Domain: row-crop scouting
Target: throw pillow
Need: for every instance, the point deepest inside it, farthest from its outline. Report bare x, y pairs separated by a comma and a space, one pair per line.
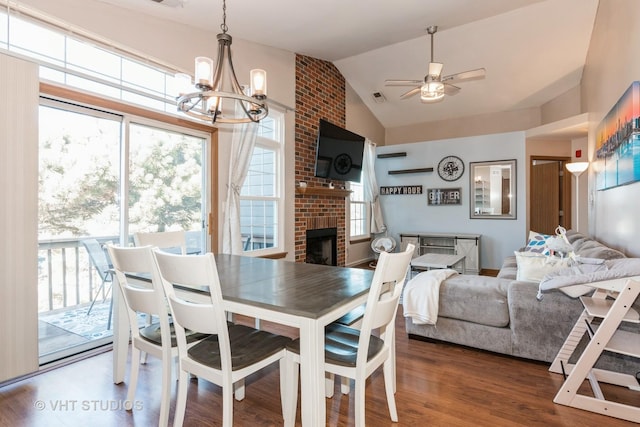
537, 243
532, 267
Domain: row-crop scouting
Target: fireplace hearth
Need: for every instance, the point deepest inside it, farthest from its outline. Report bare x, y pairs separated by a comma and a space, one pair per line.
322, 246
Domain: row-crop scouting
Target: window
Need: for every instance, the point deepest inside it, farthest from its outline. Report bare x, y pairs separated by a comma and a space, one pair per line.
358, 212
88, 64
260, 197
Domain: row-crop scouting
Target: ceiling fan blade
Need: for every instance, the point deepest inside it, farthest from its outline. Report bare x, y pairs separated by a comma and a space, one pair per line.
465, 76
412, 92
435, 68
451, 89
402, 82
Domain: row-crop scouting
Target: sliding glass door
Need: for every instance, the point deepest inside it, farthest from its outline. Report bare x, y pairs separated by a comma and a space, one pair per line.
166, 183
104, 176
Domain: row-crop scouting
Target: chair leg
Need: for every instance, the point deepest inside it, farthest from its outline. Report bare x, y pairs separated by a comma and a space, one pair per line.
181, 400
110, 313
359, 385
93, 301
165, 401
345, 385
329, 380
239, 390
133, 374
389, 387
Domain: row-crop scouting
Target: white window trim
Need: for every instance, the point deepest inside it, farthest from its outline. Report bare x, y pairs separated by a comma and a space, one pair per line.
279, 147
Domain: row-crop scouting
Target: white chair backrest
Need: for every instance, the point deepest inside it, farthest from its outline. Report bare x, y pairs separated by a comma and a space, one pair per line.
384, 294
138, 298
193, 271
163, 240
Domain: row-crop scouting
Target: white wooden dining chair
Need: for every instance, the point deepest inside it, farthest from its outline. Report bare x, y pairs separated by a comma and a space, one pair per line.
166, 240
232, 353
158, 338
357, 353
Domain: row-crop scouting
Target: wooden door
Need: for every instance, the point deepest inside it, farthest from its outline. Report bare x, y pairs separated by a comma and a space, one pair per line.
548, 206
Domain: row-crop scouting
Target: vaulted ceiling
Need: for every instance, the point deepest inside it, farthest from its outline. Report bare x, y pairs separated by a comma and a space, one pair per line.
532, 50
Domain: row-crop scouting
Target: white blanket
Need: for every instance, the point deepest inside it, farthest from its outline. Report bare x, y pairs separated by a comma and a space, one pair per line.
422, 294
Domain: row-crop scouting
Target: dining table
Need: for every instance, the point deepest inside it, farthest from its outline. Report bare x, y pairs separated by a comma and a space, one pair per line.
300, 295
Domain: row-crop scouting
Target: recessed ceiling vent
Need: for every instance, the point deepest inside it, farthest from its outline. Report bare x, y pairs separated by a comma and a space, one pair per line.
378, 97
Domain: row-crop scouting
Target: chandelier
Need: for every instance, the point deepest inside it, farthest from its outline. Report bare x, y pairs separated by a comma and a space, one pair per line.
218, 87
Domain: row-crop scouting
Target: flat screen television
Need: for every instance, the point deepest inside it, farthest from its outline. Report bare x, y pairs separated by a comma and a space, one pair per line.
339, 153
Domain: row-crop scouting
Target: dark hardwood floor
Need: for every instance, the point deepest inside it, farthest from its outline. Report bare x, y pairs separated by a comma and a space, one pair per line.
438, 384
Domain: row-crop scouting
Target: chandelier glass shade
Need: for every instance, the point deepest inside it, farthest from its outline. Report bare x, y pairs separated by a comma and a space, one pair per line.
217, 96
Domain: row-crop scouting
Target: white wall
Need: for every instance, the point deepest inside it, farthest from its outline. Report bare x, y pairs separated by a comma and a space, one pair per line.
612, 65
410, 213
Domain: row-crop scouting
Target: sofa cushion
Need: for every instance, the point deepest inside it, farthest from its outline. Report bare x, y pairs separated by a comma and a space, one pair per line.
533, 267
537, 243
509, 268
590, 248
477, 299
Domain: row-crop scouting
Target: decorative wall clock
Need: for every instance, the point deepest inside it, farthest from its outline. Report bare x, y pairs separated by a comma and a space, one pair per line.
451, 168
342, 164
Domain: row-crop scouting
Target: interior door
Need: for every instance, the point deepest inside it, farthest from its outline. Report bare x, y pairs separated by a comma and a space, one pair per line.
548, 206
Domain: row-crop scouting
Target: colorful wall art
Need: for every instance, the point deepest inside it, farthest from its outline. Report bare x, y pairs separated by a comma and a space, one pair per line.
617, 159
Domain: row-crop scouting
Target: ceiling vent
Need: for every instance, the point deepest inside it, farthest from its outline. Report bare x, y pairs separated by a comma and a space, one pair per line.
378, 97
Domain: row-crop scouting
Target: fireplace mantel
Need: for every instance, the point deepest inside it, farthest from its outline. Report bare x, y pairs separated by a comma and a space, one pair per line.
323, 191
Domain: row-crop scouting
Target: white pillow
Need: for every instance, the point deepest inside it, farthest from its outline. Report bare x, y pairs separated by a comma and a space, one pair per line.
532, 267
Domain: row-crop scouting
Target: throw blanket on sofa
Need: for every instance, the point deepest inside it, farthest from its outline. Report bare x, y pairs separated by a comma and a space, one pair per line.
422, 294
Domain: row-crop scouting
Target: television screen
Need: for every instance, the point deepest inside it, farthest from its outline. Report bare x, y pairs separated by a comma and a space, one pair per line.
339, 153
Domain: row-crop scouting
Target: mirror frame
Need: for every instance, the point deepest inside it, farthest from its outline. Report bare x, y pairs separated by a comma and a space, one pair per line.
472, 189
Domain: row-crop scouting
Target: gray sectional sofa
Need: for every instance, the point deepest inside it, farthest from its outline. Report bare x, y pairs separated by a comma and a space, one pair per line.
503, 315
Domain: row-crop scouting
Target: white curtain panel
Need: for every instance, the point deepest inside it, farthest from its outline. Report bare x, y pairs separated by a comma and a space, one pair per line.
242, 143
370, 186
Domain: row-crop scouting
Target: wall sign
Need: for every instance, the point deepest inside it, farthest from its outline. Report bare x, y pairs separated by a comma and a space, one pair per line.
401, 189
444, 196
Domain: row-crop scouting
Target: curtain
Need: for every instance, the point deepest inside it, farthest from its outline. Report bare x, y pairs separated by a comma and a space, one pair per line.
370, 187
242, 143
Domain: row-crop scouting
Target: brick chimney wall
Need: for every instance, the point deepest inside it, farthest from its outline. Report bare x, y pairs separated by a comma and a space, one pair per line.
320, 94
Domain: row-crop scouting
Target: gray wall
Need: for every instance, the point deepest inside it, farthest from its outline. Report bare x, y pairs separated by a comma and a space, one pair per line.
410, 213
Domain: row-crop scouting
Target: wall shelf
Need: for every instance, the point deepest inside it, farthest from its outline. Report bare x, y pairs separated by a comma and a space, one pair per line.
419, 170
323, 191
389, 155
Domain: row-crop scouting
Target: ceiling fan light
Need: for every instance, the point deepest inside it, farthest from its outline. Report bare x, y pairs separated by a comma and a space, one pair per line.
435, 68
432, 91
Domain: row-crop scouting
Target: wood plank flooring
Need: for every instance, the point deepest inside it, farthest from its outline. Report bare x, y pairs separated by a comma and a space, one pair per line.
438, 384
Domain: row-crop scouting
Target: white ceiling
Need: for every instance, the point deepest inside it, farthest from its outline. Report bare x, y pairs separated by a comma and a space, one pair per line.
532, 50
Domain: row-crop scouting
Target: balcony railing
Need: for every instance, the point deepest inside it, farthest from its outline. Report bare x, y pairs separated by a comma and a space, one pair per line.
66, 277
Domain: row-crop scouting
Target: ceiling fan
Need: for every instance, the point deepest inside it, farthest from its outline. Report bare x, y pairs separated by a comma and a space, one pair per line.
434, 86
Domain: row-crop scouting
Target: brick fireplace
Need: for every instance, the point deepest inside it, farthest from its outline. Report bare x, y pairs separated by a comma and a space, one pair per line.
320, 94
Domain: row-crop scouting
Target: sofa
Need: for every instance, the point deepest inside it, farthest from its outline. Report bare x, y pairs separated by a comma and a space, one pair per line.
503, 315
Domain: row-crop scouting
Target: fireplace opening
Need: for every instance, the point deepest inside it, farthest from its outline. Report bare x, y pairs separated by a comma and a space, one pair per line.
322, 246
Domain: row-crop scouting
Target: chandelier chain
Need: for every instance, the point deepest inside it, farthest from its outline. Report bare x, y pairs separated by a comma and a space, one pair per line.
223, 26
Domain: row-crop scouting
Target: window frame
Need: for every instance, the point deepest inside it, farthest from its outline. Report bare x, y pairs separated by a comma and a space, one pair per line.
277, 145
366, 208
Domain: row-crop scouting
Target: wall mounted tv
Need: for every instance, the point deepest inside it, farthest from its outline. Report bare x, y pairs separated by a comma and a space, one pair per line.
339, 153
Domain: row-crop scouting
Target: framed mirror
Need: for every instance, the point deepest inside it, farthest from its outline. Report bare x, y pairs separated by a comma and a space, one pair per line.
492, 189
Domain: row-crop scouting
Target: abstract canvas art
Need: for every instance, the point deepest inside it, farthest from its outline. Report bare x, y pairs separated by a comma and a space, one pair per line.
617, 159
